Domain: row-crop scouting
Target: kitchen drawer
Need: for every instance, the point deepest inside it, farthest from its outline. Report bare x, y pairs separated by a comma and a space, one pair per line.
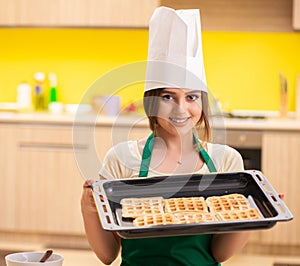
244, 139
49, 137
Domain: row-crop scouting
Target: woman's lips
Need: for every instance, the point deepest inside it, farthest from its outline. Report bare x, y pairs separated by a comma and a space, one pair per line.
179, 120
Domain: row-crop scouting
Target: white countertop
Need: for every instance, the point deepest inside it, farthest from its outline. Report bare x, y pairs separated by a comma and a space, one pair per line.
288, 124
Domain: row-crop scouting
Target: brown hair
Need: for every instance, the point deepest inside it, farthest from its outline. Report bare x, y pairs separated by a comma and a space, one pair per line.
151, 106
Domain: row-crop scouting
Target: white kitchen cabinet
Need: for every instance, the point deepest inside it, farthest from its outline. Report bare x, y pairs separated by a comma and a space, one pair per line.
280, 164
296, 14
77, 13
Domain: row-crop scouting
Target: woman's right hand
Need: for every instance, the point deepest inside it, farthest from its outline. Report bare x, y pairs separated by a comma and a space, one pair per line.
87, 201
104, 243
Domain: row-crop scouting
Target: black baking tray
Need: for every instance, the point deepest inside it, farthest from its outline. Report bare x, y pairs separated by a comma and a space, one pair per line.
252, 184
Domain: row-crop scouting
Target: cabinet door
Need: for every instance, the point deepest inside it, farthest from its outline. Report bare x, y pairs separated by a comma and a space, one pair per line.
49, 184
112, 13
296, 14
108, 136
280, 164
52, 163
108, 13
8, 176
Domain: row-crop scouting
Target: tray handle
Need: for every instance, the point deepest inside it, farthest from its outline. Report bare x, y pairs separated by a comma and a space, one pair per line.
103, 207
281, 208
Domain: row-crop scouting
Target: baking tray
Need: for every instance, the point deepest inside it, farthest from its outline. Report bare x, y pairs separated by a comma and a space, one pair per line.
252, 184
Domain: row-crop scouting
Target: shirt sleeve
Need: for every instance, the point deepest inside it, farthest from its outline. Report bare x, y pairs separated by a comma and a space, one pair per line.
233, 160
121, 161
110, 166
226, 158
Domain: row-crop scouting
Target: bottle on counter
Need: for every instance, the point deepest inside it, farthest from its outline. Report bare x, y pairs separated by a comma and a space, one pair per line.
24, 97
54, 106
53, 87
39, 101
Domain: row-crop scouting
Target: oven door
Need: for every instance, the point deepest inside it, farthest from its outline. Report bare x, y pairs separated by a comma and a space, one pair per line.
248, 143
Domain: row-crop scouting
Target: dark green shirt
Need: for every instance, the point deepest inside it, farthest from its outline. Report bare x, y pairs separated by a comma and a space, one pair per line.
168, 251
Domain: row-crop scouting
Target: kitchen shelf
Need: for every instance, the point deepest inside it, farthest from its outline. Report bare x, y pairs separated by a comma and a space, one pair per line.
76, 13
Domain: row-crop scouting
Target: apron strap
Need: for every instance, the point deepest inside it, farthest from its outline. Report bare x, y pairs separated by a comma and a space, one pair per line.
206, 158
147, 152
146, 157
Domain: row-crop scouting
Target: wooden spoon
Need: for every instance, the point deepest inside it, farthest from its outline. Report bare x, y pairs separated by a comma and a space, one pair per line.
46, 256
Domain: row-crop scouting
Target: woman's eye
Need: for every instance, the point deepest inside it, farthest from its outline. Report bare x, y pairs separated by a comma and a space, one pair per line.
167, 97
192, 97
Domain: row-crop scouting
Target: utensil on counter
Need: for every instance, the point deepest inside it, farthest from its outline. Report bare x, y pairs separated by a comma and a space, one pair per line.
34, 258
283, 108
46, 256
298, 97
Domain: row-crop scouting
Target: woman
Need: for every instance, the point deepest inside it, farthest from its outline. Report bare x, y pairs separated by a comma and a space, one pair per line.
177, 117
174, 151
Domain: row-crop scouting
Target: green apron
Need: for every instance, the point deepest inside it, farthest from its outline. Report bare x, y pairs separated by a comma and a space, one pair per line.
173, 250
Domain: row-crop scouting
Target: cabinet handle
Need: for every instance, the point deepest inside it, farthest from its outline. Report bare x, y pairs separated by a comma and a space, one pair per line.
242, 138
52, 146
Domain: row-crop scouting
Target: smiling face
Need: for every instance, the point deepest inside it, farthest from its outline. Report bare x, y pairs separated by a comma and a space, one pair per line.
179, 110
153, 101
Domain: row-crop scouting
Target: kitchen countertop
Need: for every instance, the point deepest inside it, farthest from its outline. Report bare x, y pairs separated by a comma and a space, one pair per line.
66, 118
287, 124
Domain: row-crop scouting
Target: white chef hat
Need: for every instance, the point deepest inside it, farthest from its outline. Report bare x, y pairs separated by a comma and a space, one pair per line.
175, 56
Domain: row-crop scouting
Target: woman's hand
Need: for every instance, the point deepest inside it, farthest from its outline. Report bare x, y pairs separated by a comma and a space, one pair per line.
106, 245
87, 201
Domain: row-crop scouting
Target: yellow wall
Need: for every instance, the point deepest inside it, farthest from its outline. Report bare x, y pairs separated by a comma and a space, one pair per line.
77, 56
242, 68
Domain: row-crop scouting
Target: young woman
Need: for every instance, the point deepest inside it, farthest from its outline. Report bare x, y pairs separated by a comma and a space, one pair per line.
176, 117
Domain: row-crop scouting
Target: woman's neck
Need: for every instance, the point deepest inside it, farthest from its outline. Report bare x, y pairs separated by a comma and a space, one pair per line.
175, 154
175, 142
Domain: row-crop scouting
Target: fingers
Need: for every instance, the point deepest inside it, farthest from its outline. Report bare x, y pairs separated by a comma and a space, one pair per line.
88, 183
87, 192
87, 200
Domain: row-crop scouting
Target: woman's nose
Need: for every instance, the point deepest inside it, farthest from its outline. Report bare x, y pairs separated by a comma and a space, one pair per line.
180, 105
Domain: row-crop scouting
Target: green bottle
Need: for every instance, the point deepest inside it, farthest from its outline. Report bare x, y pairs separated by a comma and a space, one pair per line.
53, 90
53, 97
